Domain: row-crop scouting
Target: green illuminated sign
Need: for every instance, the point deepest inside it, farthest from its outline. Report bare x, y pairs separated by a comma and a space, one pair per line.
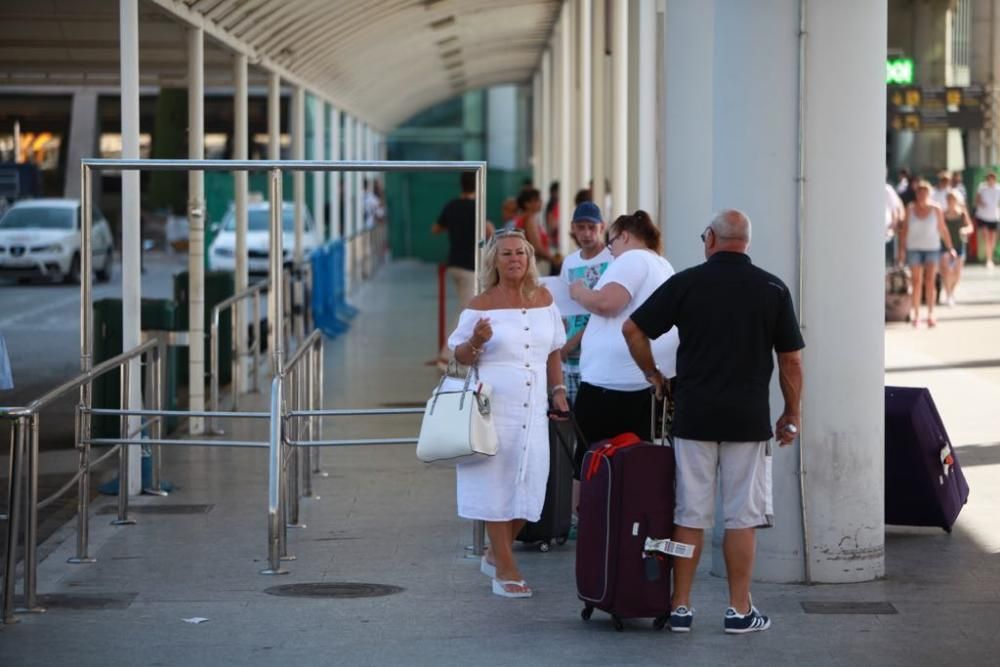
899, 71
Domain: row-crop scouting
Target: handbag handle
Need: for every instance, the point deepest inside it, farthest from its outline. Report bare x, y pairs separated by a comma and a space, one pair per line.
465, 387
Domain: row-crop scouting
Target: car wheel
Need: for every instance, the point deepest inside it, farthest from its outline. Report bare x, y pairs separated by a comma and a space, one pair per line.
104, 275
73, 275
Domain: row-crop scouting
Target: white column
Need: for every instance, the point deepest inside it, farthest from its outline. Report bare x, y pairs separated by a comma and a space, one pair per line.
274, 117
298, 177
536, 126
597, 101
319, 178
359, 209
619, 109
335, 176
240, 188
83, 135
750, 122
131, 243
687, 128
584, 43
643, 176
545, 173
567, 186
556, 111
349, 228
196, 227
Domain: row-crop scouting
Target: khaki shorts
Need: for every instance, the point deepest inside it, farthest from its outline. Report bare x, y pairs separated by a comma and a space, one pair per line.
744, 470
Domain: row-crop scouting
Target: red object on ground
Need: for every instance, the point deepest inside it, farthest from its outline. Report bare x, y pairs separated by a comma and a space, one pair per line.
442, 300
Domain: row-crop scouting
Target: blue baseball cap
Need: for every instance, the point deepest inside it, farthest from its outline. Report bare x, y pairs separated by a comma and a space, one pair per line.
588, 211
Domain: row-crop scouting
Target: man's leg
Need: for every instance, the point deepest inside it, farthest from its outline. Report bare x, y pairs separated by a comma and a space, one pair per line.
697, 465
685, 568
739, 546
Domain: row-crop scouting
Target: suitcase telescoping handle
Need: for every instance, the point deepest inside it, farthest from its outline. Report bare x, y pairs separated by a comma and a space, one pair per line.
664, 440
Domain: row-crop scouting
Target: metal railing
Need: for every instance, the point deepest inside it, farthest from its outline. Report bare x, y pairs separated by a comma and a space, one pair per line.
304, 376
24, 465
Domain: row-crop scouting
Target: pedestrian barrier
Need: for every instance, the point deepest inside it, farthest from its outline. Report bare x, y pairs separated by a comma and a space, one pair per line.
296, 388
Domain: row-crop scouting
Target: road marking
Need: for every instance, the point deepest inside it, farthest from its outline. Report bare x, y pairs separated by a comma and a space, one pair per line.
50, 307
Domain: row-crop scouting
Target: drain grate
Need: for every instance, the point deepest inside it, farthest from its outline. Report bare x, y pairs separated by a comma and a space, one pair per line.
344, 590
159, 509
815, 607
85, 601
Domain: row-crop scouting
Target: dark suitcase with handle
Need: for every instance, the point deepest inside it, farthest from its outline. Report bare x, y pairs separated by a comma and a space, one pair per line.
557, 512
924, 484
626, 501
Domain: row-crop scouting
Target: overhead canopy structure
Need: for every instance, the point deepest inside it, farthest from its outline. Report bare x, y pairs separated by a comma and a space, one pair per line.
382, 61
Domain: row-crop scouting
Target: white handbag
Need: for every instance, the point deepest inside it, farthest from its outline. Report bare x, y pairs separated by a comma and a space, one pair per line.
458, 424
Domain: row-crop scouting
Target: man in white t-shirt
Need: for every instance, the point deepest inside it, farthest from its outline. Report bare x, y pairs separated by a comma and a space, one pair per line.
988, 213
939, 194
586, 264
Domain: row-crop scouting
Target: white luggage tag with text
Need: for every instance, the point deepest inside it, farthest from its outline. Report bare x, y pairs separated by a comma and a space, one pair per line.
670, 548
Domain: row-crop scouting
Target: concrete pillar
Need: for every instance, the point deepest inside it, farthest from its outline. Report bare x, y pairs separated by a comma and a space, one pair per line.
584, 44
830, 527
567, 98
619, 109
319, 178
359, 198
536, 127
241, 193
131, 236
545, 173
335, 176
84, 131
196, 226
299, 177
597, 102
643, 174
502, 129
274, 117
349, 228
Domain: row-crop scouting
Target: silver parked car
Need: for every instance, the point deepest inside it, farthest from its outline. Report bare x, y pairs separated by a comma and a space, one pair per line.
40, 238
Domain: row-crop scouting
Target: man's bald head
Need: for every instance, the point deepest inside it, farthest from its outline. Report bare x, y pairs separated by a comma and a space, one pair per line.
730, 233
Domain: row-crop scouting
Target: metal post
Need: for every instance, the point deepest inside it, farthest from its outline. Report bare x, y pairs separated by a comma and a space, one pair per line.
294, 378
83, 485
123, 451
317, 469
213, 351
15, 477
478, 527
255, 387
159, 356
31, 525
299, 197
274, 490
237, 352
276, 291
310, 379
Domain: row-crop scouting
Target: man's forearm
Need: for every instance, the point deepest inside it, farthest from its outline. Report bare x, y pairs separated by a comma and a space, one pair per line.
790, 379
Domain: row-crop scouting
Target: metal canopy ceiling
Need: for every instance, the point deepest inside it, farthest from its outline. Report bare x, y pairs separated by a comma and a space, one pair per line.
382, 60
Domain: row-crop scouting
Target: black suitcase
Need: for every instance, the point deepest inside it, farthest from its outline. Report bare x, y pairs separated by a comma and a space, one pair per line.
924, 484
557, 512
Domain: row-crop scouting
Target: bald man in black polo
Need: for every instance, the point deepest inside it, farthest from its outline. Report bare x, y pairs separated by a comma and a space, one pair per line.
732, 317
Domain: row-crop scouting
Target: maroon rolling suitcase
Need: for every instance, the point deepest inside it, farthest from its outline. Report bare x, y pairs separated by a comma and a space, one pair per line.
626, 503
924, 484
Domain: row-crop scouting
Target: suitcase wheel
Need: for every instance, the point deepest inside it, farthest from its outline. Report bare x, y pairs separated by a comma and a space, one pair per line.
587, 612
544, 546
617, 622
660, 622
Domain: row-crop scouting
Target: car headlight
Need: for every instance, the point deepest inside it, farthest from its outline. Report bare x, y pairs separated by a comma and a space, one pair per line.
52, 247
223, 252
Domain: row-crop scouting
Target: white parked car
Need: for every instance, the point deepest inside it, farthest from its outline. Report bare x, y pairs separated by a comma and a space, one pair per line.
222, 253
40, 238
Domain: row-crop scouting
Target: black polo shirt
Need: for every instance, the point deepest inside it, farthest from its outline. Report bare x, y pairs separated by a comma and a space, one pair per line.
459, 218
731, 317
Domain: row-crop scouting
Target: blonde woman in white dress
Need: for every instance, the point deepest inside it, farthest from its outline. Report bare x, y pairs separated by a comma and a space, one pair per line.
514, 332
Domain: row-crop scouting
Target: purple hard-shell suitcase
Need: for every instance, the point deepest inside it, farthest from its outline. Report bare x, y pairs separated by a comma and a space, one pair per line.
625, 498
924, 484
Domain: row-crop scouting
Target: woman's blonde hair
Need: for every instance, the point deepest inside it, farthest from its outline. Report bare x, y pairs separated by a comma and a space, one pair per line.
491, 277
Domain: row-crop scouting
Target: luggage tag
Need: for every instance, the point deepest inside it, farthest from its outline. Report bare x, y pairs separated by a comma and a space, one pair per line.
669, 547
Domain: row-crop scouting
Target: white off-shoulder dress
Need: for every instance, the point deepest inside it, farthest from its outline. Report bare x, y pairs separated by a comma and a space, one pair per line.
511, 485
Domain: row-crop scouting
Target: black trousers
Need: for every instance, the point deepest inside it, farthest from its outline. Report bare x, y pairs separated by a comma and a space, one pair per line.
604, 413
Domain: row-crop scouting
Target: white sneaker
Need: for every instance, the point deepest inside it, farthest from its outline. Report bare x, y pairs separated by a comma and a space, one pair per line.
951, 301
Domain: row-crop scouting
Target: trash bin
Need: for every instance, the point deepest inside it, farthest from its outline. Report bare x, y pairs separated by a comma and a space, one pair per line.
156, 315
219, 286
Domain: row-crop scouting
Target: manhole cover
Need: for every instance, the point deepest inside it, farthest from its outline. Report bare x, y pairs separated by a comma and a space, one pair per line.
848, 608
159, 509
85, 601
345, 590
